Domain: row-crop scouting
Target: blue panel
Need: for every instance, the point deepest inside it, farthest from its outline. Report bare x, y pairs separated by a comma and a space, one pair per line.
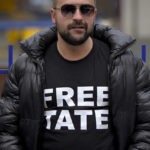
11, 24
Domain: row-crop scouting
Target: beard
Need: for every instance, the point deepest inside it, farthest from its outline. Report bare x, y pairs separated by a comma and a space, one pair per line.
69, 38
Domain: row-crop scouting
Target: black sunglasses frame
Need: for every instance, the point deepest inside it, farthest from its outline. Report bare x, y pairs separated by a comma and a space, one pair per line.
68, 10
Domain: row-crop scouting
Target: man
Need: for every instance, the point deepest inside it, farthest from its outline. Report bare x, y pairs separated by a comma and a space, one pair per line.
77, 87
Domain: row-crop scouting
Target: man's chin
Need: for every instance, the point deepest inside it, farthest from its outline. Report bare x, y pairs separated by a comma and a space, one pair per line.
74, 39
77, 39
78, 36
76, 42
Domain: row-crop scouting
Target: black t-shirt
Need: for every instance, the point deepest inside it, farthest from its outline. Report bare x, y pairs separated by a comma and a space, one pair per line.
76, 101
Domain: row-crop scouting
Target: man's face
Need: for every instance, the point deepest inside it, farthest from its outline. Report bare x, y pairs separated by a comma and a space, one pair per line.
75, 27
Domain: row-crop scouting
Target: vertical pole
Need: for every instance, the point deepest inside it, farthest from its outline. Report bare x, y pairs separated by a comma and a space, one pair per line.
144, 53
10, 56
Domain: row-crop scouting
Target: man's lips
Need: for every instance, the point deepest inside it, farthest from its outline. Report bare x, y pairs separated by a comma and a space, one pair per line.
78, 27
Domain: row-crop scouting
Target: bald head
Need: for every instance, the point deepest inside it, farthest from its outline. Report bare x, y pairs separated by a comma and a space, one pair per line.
55, 3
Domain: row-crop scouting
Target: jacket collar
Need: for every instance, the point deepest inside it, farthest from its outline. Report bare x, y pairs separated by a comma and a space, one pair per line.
118, 41
36, 45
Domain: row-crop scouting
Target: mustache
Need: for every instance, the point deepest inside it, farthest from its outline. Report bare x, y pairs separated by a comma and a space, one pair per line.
77, 24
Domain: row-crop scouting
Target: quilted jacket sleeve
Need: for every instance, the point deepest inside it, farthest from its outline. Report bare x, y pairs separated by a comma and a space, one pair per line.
9, 136
141, 137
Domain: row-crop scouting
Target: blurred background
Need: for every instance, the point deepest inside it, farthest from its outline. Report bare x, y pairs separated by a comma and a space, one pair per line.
19, 19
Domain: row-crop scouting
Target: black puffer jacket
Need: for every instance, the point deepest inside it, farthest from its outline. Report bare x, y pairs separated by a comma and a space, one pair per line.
21, 105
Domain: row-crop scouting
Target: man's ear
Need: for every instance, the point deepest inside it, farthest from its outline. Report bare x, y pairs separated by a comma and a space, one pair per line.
53, 15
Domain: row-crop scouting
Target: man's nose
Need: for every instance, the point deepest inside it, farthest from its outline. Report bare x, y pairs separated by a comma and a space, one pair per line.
77, 15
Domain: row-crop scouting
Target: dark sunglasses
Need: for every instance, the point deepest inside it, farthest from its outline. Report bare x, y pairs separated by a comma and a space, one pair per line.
69, 10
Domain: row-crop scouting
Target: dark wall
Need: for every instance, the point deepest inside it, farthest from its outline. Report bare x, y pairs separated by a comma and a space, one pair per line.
2, 80
108, 8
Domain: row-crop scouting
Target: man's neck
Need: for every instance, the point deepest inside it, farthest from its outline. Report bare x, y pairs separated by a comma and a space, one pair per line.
74, 53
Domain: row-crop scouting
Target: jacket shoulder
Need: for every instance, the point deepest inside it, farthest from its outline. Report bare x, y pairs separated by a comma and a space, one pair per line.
19, 67
132, 61
20, 64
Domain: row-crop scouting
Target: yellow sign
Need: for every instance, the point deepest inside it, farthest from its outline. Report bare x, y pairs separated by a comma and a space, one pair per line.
7, 5
15, 35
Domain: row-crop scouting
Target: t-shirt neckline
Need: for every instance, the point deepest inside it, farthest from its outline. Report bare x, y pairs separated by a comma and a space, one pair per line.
76, 61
